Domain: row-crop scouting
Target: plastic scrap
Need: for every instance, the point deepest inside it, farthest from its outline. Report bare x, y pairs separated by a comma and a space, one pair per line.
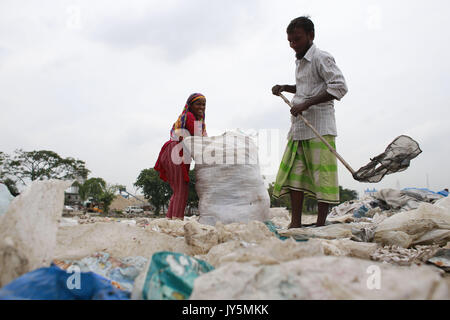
53, 283
272, 227
170, 276
422, 194
333, 231
428, 224
360, 212
320, 277
28, 229
441, 259
122, 271
5, 198
402, 256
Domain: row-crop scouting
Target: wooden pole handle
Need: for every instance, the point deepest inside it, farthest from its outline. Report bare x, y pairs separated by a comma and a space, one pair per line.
320, 137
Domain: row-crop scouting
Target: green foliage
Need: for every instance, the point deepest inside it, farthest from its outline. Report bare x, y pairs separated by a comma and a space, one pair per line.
309, 204
155, 190
108, 195
347, 194
280, 202
11, 185
25, 166
121, 187
100, 192
158, 192
92, 188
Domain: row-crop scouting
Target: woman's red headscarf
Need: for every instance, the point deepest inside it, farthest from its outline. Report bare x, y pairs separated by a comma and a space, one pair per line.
181, 121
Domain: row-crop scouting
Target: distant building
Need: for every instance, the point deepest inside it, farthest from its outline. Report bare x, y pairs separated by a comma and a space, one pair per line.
369, 192
72, 196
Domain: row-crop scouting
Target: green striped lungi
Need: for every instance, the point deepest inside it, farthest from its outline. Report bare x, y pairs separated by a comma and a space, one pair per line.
309, 166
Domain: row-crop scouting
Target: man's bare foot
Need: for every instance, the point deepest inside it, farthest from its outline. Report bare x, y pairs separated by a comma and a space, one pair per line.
319, 225
294, 225
309, 225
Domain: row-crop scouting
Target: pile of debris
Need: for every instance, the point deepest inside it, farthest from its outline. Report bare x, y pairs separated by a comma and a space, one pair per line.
390, 246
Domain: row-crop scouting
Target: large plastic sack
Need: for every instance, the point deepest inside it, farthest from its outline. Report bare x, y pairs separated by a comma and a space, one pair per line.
53, 283
320, 277
169, 276
428, 224
397, 199
5, 198
28, 229
228, 179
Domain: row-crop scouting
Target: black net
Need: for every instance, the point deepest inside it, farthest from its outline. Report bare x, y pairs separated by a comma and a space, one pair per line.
395, 158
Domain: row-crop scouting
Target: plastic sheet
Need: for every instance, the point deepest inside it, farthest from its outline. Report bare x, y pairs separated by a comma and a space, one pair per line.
5, 198
320, 277
428, 224
169, 276
28, 229
334, 231
122, 271
118, 239
53, 283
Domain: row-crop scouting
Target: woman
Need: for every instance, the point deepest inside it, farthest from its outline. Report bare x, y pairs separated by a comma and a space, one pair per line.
191, 120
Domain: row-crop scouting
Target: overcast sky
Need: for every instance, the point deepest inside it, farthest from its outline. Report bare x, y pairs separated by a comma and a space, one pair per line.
103, 81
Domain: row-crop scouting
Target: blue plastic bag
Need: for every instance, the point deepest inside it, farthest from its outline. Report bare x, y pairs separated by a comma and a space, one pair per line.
53, 283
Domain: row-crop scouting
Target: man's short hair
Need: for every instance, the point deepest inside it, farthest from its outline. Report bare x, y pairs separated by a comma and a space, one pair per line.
303, 22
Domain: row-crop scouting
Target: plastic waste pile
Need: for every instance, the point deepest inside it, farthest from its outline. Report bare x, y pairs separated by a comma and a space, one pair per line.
392, 246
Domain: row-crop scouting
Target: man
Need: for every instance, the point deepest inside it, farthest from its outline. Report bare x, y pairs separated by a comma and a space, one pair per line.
308, 167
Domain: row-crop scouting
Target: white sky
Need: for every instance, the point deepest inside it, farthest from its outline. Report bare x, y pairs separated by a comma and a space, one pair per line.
103, 81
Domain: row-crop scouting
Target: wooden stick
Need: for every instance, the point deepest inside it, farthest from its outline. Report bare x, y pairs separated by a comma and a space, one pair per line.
320, 137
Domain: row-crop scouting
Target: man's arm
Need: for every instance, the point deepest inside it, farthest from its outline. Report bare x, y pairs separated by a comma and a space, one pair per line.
277, 89
332, 76
322, 97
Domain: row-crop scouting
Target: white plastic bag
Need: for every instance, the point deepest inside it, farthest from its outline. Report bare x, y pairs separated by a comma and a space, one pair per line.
228, 180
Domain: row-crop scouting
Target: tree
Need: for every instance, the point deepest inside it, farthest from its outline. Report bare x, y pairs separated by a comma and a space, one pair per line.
11, 185
347, 194
25, 166
155, 190
8, 182
284, 201
92, 188
108, 195
100, 192
309, 204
